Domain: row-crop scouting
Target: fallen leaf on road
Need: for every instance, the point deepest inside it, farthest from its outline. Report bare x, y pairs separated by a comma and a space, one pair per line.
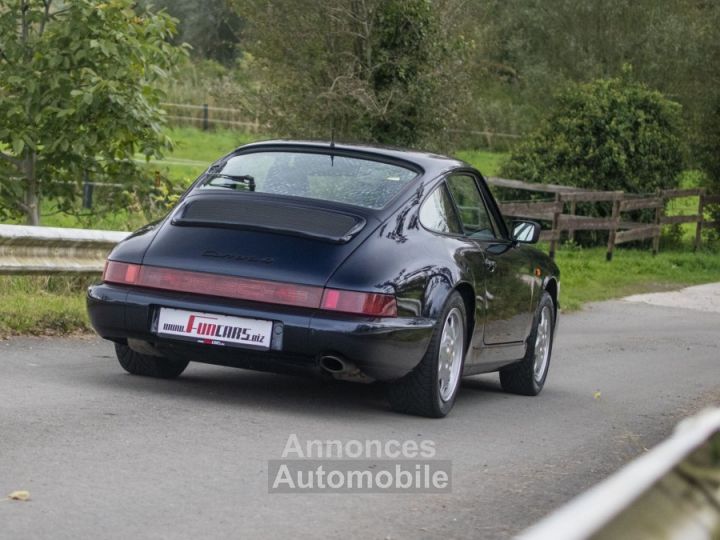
19, 496
597, 394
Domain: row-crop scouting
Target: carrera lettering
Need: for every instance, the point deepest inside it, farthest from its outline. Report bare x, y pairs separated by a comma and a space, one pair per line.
235, 257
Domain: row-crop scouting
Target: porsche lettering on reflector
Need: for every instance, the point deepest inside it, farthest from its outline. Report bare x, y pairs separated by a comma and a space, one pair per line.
214, 329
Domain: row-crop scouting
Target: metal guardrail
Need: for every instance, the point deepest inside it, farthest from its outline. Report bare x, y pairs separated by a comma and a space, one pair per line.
672, 492
50, 250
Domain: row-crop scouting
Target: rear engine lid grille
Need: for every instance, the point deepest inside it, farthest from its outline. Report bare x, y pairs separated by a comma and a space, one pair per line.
243, 213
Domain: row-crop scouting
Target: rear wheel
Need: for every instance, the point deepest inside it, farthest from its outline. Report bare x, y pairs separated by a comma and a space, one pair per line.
430, 389
149, 366
528, 376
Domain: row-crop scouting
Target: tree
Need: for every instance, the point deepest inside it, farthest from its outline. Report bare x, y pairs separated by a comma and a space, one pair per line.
610, 134
532, 47
77, 95
377, 70
210, 27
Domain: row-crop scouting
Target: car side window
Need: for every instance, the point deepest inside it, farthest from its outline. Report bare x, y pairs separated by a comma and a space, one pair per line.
437, 213
474, 215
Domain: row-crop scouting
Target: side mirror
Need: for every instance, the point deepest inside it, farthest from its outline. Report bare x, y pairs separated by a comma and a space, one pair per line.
525, 232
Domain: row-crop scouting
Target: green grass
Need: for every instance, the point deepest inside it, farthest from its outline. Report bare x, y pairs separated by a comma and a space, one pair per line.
194, 151
201, 147
207, 146
43, 305
587, 277
486, 162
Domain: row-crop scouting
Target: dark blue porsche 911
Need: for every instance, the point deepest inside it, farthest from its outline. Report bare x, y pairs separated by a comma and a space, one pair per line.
358, 262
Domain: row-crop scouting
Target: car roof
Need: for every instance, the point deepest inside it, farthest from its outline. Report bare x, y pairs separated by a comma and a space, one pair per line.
431, 164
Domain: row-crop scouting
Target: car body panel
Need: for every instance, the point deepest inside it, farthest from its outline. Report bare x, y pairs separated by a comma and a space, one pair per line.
392, 253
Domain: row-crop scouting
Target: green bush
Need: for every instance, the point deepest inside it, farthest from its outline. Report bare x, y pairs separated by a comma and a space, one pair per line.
709, 148
609, 134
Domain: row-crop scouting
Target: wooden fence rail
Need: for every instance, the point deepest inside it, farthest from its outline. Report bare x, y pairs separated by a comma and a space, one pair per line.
205, 116
620, 229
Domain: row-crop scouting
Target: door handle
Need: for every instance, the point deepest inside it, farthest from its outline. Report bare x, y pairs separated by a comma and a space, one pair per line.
490, 265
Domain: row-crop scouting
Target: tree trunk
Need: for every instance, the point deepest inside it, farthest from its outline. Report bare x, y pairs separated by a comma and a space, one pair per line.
32, 190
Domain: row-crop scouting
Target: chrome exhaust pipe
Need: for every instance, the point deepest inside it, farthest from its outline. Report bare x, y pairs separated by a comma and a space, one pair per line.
342, 369
334, 364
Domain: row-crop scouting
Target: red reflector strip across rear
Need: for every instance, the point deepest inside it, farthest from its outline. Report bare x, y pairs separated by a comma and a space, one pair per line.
288, 294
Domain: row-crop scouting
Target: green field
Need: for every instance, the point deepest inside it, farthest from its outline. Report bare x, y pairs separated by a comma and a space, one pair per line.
488, 163
206, 146
202, 147
194, 151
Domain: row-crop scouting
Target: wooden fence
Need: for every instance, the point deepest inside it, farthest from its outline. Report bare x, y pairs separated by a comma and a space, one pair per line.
205, 116
621, 228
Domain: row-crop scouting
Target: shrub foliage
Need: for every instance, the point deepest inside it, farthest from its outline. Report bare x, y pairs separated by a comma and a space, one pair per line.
609, 134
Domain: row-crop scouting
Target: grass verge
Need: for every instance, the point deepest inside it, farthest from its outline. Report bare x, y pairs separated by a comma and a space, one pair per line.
587, 277
43, 305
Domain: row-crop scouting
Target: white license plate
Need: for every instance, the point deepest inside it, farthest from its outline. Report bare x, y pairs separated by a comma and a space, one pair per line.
214, 329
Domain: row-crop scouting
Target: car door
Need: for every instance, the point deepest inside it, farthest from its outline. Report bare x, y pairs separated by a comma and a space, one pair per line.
508, 283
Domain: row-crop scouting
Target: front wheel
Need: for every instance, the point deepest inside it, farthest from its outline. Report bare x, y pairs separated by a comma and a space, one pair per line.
527, 377
430, 389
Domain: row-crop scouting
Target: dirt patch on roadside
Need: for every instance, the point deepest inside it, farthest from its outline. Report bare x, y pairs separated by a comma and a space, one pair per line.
700, 298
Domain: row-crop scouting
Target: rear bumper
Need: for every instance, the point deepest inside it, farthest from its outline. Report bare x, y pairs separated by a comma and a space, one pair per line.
382, 348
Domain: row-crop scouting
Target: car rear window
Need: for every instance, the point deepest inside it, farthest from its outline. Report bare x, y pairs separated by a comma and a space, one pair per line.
350, 180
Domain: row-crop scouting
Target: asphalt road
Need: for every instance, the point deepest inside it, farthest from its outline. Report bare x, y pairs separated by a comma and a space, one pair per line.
108, 455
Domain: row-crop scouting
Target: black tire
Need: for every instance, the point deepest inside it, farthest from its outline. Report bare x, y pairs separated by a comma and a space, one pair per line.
419, 392
521, 378
149, 366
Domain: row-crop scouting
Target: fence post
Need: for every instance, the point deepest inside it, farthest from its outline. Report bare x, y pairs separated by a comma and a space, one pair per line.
701, 218
555, 227
571, 232
658, 218
87, 200
206, 117
613, 232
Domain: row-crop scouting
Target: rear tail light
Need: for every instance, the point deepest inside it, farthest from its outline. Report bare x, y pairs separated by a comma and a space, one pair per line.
358, 303
373, 304
117, 272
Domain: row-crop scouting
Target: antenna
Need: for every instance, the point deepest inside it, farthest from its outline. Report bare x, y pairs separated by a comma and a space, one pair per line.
332, 142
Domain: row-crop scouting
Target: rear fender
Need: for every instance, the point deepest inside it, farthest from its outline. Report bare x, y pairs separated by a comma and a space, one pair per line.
436, 293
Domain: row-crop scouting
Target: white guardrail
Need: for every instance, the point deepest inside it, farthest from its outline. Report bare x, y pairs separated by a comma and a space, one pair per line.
50, 250
671, 492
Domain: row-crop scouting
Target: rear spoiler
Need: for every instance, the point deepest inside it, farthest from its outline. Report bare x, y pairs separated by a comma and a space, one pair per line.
269, 216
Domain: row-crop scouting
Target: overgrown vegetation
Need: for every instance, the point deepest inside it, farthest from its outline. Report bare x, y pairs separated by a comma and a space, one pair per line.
610, 134
374, 70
